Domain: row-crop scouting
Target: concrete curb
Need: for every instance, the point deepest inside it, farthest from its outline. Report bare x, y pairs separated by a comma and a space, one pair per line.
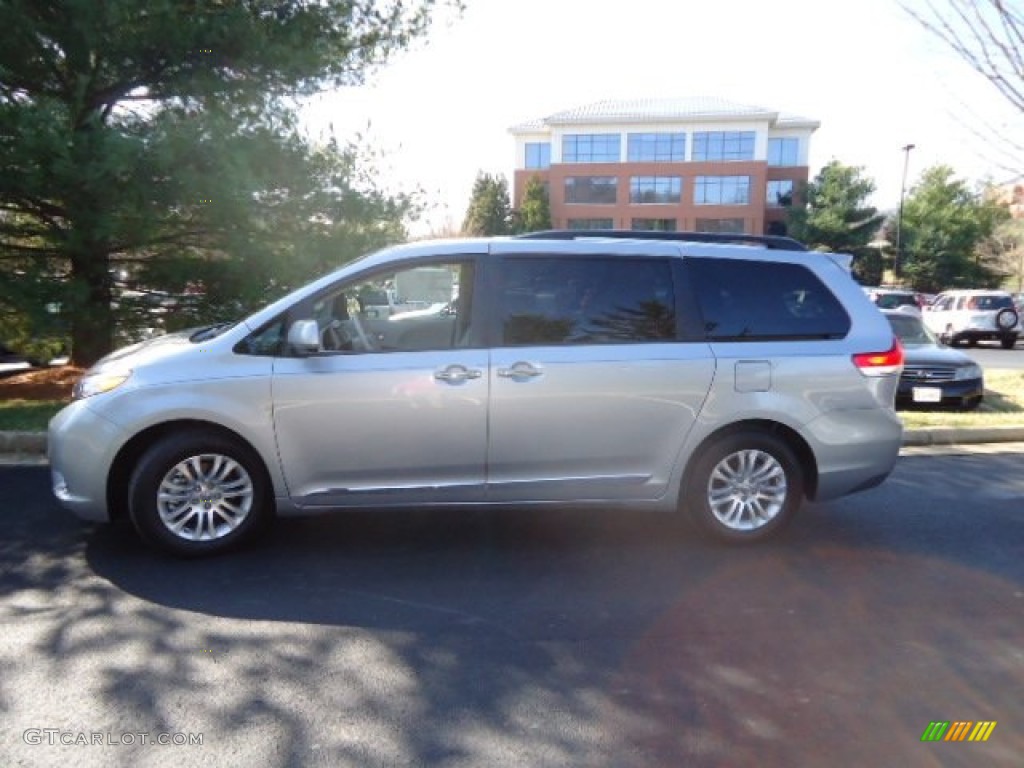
962, 435
23, 442
33, 444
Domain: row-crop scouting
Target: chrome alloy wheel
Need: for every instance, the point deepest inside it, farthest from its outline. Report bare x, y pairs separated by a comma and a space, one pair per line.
747, 489
204, 497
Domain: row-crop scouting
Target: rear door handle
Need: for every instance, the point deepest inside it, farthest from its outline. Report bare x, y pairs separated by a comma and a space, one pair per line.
456, 374
520, 370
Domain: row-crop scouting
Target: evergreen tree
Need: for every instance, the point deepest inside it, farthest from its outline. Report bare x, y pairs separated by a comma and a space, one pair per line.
489, 212
837, 217
945, 225
534, 213
155, 143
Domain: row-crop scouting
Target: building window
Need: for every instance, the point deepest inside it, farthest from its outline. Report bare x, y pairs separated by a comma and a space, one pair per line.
654, 225
780, 194
725, 226
591, 148
538, 154
722, 190
656, 147
655, 189
591, 190
723, 145
589, 224
783, 151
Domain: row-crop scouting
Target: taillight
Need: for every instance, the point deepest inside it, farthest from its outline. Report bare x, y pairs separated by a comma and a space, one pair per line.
881, 363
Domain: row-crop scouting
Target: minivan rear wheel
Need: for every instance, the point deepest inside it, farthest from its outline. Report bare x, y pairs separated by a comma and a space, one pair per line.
744, 487
198, 493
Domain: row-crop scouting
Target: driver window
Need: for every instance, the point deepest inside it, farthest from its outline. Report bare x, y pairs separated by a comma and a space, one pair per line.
412, 309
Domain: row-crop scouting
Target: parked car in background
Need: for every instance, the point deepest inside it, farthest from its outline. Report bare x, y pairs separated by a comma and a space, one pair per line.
933, 374
970, 316
892, 298
12, 362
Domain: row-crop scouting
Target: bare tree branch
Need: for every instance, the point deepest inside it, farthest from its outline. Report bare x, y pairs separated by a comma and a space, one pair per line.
987, 34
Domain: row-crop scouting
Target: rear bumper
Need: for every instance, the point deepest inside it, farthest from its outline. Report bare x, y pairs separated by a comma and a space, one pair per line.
855, 449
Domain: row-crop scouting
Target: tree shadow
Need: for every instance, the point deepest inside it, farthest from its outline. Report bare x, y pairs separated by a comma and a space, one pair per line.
535, 637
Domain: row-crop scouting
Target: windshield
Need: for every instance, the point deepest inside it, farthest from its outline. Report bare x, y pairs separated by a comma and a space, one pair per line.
894, 300
911, 331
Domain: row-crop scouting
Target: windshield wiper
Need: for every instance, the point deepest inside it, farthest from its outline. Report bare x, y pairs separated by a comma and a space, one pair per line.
210, 331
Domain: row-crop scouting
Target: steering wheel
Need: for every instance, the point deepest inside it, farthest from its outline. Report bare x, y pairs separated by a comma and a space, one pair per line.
361, 333
332, 338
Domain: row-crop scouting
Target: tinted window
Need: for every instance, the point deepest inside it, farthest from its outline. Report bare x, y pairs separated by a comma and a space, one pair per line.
586, 301
755, 300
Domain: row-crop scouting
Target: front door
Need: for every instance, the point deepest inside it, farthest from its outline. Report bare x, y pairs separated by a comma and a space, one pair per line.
394, 409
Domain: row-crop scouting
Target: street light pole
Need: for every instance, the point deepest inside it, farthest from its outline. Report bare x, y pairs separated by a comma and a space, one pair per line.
899, 219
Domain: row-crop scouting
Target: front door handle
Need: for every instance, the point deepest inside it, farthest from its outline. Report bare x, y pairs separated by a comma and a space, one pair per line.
456, 374
520, 370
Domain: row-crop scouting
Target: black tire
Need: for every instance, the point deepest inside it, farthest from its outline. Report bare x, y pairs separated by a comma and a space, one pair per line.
229, 502
1008, 342
970, 403
743, 457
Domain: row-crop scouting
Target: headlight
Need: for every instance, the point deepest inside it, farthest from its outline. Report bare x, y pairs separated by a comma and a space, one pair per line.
98, 383
967, 372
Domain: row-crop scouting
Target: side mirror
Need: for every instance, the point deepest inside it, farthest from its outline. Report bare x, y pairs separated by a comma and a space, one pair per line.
304, 337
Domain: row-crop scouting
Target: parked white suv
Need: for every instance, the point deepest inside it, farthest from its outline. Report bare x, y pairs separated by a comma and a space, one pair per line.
973, 316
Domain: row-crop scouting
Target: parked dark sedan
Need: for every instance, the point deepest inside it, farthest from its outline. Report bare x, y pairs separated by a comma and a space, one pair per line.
11, 362
933, 374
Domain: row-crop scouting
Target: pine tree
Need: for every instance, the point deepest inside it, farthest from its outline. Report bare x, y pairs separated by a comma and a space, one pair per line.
489, 212
155, 140
534, 213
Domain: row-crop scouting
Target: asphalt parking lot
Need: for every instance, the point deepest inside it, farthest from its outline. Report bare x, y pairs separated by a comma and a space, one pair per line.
527, 638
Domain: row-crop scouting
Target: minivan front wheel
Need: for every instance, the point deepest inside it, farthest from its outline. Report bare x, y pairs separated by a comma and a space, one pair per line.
744, 487
198, 493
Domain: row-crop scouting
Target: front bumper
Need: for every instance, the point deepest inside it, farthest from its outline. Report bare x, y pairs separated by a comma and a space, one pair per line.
82, 445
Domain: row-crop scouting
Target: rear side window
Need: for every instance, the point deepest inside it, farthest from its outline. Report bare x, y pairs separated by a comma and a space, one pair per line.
585, 300
762, 301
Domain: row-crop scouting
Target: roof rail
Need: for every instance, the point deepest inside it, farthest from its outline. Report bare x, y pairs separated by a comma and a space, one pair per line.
772, 242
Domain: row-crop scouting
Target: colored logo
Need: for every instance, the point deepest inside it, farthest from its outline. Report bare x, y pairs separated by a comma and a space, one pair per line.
958, 730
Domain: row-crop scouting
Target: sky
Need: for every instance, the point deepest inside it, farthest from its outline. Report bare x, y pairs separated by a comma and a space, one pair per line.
439, 113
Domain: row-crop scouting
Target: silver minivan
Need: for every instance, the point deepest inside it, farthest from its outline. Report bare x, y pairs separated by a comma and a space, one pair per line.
727, 381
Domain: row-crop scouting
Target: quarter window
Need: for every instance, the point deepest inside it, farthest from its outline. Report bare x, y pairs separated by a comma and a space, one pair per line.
723, 145
586, 300
591, 148
745, 300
